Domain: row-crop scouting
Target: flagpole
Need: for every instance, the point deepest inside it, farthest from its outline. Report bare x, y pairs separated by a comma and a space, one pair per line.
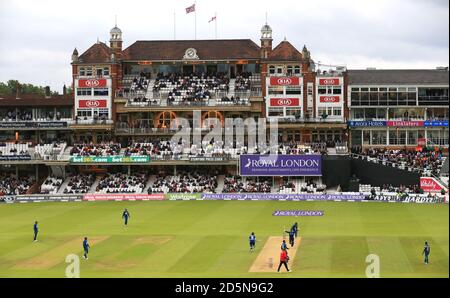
174, 26
195, 20
215, 15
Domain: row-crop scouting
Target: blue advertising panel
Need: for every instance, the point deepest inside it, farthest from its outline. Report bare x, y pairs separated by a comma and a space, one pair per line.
367, 123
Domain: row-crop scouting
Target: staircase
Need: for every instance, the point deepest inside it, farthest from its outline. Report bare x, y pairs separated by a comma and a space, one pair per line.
150, 182
220, 183
63, 185
95, 184
232, 86
444, 169
149, 93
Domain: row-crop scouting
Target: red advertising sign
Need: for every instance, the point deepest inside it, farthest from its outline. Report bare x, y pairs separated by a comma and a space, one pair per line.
329, 99
284, 81
123, 197
329, 82
97, 103
406, 123
91, 83
284, 102
429, 184
421, 141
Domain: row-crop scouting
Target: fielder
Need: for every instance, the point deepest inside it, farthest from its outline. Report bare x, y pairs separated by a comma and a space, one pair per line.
125, 216
36, 230
426, 252
252, 239
85, 248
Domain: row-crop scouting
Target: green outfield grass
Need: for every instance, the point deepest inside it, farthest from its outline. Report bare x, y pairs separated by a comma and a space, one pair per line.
210, 238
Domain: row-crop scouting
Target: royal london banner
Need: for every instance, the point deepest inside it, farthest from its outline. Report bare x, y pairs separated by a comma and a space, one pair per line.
280, 165
109, 159
283, 197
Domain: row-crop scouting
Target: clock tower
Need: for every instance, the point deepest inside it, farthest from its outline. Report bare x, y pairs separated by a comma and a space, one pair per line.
266, 41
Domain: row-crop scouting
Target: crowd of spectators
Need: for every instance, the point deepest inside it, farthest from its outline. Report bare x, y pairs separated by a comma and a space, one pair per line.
185, 183
236, 184
139, 83
308, 185
139, 100
122, 183
14, 149
12, 185
242, 82
232, 100
51, 185
426, 161
401, 189
102, 149
170, 149
48, 149
158, 149
17, 115
190, 89
80, 183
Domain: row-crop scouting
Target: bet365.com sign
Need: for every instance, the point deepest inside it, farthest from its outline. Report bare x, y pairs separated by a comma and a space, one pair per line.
109, 159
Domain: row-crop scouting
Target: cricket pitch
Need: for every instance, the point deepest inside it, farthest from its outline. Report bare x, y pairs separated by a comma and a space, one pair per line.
269, 257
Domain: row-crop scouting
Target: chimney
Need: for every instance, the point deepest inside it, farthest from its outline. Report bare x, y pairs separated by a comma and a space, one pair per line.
47, 92
18, 90
64, 90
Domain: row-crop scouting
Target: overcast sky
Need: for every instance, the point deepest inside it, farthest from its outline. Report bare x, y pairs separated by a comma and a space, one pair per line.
37, 37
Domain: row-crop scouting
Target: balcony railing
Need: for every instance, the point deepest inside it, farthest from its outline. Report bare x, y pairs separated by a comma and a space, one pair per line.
437, 142
433, 100
402, 119
305, 120
205, 103
397, 141
91, 122
93, 76
124, 129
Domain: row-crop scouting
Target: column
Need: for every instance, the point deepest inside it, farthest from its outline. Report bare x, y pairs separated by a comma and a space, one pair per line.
387, 136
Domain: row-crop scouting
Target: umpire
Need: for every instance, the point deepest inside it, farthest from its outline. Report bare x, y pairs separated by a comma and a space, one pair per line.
283, 260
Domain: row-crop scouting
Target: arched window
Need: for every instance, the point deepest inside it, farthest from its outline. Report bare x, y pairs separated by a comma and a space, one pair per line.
211, 119
166, 120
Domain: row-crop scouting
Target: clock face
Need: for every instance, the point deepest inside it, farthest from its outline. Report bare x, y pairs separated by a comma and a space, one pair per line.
190, 53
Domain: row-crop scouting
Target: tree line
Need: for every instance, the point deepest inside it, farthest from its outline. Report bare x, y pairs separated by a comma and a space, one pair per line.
12, 86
